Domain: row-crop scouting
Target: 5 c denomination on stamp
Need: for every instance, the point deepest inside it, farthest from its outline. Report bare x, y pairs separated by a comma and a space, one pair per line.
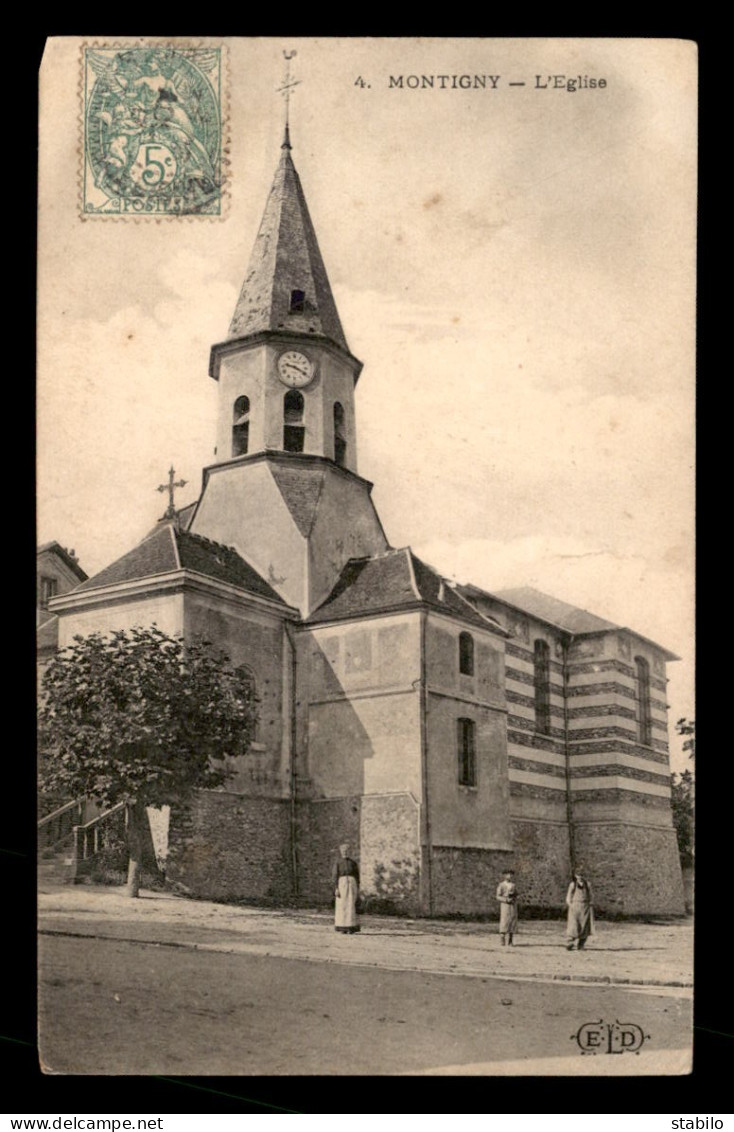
152, 130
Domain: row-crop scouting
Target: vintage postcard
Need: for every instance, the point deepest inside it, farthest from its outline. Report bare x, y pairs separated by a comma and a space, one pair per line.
365, 537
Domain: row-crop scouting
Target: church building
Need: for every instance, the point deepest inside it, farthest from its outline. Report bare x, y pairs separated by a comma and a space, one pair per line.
445, 732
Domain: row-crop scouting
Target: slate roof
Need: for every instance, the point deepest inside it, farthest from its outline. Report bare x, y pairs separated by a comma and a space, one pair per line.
167, 549
185, 514
391, 580
560, 613
286, 257
570, 618
301, 489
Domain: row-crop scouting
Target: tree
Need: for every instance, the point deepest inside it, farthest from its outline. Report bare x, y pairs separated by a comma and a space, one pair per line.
682, 796
688, 727
683, 790
142, 718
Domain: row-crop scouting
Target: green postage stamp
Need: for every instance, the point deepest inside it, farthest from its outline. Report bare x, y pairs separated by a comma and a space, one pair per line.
152, 130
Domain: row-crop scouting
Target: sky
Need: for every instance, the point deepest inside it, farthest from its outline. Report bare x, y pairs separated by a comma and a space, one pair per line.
514, 265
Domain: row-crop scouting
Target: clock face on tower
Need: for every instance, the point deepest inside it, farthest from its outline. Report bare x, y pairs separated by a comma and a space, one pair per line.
295, 369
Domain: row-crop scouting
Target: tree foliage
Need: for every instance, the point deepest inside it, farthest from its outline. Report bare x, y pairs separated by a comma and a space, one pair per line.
687, 727
142, 718
683, 788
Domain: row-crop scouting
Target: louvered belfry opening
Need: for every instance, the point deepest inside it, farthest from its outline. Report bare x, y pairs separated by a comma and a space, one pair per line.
294, 432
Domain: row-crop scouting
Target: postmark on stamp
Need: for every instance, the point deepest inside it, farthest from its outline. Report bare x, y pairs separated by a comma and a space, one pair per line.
152, 131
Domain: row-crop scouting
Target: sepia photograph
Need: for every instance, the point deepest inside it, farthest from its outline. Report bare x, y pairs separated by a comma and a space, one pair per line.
365, 556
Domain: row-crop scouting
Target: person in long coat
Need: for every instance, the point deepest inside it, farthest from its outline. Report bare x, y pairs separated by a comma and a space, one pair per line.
580, 901
507, 896
345, 877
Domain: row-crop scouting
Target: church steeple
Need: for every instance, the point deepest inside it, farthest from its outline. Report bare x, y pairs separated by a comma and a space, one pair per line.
286, 287
285, 491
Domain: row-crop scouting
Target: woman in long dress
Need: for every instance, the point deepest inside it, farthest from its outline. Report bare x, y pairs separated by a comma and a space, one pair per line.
345, 876
507, 896
579, 899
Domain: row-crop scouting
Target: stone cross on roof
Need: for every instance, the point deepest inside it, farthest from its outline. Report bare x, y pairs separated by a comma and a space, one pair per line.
285, 90
170, 487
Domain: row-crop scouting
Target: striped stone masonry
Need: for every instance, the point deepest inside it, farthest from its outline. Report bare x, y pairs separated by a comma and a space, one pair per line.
599, 756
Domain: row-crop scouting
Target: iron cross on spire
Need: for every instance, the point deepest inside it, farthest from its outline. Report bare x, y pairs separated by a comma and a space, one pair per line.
285, 90
170, 487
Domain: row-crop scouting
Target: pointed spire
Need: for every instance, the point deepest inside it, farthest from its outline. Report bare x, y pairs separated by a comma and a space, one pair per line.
286, 286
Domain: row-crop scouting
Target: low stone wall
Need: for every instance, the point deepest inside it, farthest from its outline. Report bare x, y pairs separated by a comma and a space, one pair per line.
543, 864
323, 824
634, 870
390, 863
464, 881
231, 847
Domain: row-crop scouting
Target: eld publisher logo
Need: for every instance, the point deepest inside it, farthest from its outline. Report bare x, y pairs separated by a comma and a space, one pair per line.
610, 1037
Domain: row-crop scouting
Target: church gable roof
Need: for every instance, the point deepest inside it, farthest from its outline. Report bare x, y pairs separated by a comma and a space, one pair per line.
167, 549
394, 579
285, 259
156, 554
221, 563
560, 613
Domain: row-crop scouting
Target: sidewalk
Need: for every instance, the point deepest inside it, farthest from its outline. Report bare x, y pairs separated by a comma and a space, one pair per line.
630, 954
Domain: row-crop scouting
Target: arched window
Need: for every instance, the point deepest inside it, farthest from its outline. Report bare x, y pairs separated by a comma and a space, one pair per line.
466, 654
240, 426
294, 433
298, 301
541, 660
466, 750
642, 700
340, 438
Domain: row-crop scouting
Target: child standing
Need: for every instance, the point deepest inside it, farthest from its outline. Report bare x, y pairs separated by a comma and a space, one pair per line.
507, 896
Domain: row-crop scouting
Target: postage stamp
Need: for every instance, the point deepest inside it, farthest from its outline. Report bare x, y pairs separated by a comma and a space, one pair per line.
152, 125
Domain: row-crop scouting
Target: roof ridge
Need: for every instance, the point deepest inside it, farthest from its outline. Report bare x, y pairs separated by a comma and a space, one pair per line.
320, 492
413, 580
174, 540
484, 616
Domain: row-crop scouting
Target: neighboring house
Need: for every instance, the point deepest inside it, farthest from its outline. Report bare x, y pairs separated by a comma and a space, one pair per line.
57, 572
445, 732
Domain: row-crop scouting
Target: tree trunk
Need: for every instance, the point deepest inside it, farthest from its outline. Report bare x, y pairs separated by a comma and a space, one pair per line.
135, 840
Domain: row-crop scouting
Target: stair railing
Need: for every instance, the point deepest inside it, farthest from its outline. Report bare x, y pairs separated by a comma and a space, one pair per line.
90, 837
59, 824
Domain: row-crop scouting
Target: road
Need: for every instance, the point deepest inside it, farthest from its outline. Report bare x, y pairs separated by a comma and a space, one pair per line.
114, 1007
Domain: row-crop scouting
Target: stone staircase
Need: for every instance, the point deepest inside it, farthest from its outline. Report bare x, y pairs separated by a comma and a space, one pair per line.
70, 837
56, 866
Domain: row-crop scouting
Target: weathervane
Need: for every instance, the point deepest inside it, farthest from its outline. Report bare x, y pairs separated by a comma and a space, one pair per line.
285, 90
170, 487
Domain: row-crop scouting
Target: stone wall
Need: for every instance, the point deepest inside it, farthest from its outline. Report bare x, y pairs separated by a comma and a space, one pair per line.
383, 835
464, 881
542, 864
231, 847
323, 824
390, 857
633, 869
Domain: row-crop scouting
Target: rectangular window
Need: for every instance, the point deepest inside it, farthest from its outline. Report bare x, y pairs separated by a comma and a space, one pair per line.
542, 687
293, 438
466, 654
642, 696
298, 299
48, 589
466, 731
